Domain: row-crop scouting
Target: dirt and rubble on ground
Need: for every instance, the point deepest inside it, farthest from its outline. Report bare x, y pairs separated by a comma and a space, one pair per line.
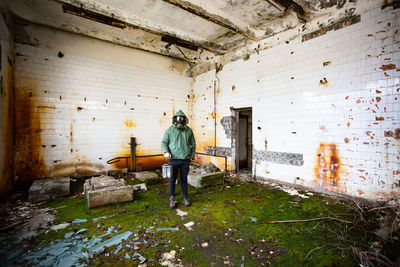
236, 223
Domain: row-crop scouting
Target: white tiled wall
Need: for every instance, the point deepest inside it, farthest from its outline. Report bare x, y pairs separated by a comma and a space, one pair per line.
349, 113
73, 113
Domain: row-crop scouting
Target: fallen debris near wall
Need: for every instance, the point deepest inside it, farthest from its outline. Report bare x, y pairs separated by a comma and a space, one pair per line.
49, 189
205, 175
104, 190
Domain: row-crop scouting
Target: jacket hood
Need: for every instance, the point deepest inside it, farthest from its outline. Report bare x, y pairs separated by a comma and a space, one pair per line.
180, 113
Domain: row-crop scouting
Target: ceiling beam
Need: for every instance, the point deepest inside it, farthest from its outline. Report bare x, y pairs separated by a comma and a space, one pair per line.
290, 5
52, 16
144, 24
206, 11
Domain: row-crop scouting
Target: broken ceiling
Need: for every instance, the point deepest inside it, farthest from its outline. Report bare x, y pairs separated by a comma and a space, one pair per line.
196, 31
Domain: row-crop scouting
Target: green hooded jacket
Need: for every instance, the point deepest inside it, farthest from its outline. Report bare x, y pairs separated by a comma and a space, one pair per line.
179, 143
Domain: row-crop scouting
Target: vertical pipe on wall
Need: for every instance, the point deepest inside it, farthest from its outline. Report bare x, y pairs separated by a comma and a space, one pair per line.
215, 114
133, 153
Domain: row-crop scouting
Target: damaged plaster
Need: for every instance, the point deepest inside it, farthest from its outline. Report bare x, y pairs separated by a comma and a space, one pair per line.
295, 159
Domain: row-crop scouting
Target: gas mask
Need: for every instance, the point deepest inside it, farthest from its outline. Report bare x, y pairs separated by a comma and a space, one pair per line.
179, 122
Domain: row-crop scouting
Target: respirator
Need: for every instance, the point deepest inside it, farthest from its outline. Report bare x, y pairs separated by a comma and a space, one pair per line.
179, 121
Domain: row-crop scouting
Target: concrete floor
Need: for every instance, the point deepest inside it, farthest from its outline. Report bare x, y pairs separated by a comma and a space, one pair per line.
232, 226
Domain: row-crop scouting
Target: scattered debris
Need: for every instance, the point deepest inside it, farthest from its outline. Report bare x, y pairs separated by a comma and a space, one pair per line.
60, 226
27, 218
204, 245
294, 192
189, 225
181, 213
168, 259
79, 221
102, 218
140, 258
253, 219
168, 229
139, 187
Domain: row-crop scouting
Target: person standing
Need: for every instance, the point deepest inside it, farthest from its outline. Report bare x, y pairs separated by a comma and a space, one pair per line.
179, 145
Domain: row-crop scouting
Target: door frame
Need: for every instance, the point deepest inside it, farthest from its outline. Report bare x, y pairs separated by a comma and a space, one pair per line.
235, 140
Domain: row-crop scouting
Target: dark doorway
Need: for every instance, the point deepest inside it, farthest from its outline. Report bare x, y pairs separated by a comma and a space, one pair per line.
243, 136
243, 141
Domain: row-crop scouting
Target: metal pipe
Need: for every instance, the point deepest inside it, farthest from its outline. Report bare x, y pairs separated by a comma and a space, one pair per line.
148, 156
133, 153
215, 116
116, 159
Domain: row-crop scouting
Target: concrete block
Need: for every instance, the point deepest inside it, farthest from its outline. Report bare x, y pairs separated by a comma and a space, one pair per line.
148, 177
201, 180
104, 190
110, 195
49, 189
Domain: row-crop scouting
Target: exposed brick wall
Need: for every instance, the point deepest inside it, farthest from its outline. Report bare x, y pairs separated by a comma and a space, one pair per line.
333, 99
73, 113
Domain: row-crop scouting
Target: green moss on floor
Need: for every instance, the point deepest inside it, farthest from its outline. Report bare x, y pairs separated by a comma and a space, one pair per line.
230, 218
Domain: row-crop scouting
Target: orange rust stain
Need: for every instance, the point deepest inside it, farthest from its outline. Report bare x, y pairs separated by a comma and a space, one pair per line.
379, 118
378, 99
29, 159
71, 133
358, 101
396, 172
122, 163
347, 97
75, 167
7, 144
233, 88
360, 192
388, 133
388, 67
327, 167
44, 106
324, 82
378, 91
149, 163
129, 124
346, 140
348, 124
212, 115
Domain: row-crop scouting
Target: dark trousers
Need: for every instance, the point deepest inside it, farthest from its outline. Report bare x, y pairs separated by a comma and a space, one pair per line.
183, 166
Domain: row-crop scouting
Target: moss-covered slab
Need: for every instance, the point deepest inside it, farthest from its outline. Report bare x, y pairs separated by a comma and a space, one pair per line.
148, 177
199, 180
